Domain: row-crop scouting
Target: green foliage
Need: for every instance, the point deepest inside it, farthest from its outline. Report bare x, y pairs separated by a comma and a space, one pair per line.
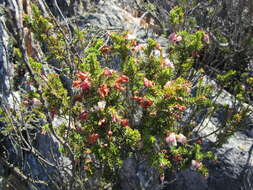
176, 15
109, 115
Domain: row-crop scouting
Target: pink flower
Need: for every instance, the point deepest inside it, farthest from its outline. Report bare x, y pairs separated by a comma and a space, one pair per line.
179, 38
121, 79
148, 83
168, 83
181, 138
85, 85
175, 38
103, 90
168, 63
206, 38
171, 139
108, 72
115, 118
101, 122
196, 164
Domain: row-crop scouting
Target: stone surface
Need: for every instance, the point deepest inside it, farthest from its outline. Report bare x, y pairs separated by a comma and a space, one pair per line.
235, 159
6, 69
188, 179
138, 176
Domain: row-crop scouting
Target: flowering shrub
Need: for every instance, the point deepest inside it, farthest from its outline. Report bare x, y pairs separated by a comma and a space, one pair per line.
109, 115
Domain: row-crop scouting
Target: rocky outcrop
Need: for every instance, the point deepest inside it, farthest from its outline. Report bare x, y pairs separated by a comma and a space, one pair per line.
6, 67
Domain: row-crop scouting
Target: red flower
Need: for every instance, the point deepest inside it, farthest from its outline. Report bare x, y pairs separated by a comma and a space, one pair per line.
123, 79
108, 72
92, 138
117, 86
145, 103
85, 85
137, 98
148, 83
103, 90
83, 115
124, 122
82, 75
76, 83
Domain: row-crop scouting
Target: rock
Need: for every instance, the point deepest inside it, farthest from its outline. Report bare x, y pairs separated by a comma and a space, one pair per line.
188, 179
128, 171
6, 69
235, 159
138, 176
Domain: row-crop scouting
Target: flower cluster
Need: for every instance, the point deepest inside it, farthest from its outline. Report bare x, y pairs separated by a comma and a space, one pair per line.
171, 139
103, 90
143, 102
175, 38
84, 83
148, 83
122, 79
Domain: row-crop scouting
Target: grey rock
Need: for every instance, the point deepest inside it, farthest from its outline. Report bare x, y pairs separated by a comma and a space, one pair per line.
235, 158
138, 176
188, 179
6, 69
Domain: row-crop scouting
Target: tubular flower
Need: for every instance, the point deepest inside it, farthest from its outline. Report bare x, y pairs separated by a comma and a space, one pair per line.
106, 49
103, 90
85, 85
175, 38
118, 86
143, 102
181, 138
108, 72
92, 138
206, 38
148, 83
123, 79
196, 164
119, 81
83, 115
171, 139
124, 122
168, 63
82, 76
